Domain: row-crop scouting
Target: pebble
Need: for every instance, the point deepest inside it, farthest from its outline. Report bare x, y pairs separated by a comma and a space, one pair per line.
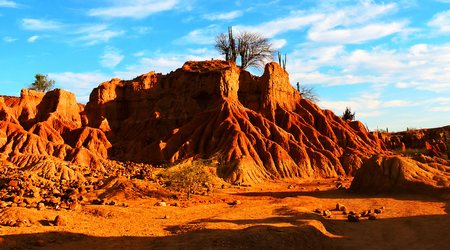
234, 203
378, 211
59, 221
3, 204
41, 206
353, 218
160, 204
326, 213
340, 207
372, 217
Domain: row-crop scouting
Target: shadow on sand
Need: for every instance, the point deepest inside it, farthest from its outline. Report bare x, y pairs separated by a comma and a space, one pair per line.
286, 229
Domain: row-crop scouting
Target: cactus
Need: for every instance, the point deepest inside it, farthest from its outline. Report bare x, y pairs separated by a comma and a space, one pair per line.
282, 61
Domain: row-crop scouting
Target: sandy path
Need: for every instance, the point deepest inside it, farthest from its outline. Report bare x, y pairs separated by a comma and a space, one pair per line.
269, 217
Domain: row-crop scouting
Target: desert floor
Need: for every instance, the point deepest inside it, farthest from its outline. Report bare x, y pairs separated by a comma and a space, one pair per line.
275, 215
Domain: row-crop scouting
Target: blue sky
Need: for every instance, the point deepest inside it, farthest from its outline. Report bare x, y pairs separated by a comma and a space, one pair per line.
388, 60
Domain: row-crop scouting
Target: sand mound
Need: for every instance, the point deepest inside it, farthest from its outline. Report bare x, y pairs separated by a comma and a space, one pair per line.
401, 174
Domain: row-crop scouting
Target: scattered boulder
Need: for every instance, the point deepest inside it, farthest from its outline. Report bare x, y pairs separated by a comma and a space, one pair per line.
59, 221
326, 213
378, 211
160, 204
235, 203
353, 218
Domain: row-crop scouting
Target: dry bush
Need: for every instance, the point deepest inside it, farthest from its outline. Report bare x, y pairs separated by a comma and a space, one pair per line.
188, 178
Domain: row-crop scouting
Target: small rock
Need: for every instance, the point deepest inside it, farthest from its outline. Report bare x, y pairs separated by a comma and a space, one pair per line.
365, 214
372, 217
166, 217
3, 204
41, 206
10, 223
345, 211
112, 203
378, 211
74, 206
234, 203
59, 221
339, 207
353, 218
326, 213
290, 187
160, 204
318, 211
20, 223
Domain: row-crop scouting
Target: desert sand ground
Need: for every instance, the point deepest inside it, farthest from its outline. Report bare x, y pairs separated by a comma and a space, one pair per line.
273, 215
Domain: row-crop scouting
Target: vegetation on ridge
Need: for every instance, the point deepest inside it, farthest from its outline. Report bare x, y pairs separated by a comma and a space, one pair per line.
253, 49
42, 83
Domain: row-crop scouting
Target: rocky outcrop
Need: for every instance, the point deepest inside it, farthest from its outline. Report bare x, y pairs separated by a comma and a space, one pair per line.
383, 174
256, 127
433, 142
38, 127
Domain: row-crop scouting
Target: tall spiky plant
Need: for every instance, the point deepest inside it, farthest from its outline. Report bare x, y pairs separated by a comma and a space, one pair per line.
282, 61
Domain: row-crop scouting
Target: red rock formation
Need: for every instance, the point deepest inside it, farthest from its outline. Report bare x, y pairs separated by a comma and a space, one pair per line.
257, 127
382, 174
39, 126
433, 142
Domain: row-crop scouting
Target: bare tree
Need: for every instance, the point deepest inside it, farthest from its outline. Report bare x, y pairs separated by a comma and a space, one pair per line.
253, 49
308, 93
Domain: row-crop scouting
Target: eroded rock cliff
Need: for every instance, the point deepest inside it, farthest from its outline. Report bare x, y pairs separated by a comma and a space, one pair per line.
256, 127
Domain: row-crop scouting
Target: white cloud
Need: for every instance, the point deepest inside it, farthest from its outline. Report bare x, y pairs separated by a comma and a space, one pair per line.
87, 34
275, 27
94, 34
396, 103
140, 53
33, 39
223, 16
345, 25
111, 57
278, 43
356, 35
441, 21
40, 24
142, 30
204, 36
79, 83
407, 68
134, 8
441, 109
8, 4
8, 39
